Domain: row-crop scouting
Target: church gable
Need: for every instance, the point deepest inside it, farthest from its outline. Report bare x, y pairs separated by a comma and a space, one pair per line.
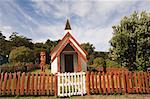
68, 38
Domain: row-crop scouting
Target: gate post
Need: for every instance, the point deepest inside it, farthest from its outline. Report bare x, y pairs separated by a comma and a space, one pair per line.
88, 82
55, 84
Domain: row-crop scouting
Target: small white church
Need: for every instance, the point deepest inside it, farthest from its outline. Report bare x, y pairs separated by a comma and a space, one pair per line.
68, 56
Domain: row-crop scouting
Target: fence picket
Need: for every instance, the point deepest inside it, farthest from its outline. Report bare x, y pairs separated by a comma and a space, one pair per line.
14, 84
22, 84
130, 83
55, 84
5, 84
100, 83
1, 82
119, 82
148, 76
9, 84
127, 82
112, 81
92, 77
48, 84
139, 82
108, 83
28, 84
135, 81
124, 83
52, 84
18, 84
96, 89
104, 83
32, 84
43, 83
88, 82
36, 84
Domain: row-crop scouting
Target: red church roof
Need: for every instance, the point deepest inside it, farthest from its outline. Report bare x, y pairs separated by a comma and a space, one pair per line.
66, 40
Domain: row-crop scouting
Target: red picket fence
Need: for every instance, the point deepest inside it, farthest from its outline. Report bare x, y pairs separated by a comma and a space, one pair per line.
96, 83
117, 82
26, 84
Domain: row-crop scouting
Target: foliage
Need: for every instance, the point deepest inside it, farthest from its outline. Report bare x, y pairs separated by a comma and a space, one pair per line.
90, 50
99, 62
104, 55
2, 44
21, 54
17, 41
111, 63
131, 42
19, 66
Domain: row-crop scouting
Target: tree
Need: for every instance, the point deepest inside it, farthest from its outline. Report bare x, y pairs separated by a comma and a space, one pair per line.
17, 41
99, 62
131, 42
2, 44
21, 54
90, 50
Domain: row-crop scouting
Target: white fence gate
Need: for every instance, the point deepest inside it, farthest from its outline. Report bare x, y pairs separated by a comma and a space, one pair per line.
71, 84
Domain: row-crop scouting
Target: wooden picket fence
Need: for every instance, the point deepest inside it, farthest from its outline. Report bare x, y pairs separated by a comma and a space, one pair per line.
71, 84
26, 84
117, 82
111, 82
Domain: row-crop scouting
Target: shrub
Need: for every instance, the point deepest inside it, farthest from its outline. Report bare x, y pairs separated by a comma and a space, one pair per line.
21, 54
99, 62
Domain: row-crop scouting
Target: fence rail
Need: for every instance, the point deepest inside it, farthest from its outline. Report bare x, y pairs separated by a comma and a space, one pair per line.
117, 82
26, 84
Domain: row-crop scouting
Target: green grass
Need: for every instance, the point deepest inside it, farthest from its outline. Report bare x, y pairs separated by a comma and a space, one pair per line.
48, 71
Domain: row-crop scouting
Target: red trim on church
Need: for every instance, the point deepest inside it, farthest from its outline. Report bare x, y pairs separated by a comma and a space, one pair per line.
60, 42
63, 46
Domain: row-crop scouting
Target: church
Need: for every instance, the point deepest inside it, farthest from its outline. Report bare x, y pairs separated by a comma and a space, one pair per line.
68, 56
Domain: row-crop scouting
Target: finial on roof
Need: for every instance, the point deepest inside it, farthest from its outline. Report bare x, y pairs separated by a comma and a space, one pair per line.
68, 27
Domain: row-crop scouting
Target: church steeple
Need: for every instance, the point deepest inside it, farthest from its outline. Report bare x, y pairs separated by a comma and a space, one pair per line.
68, 27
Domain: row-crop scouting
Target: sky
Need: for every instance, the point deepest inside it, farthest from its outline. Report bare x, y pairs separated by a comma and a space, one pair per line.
91, 20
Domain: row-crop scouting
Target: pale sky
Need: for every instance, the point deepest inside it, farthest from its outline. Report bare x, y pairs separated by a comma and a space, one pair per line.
91, 20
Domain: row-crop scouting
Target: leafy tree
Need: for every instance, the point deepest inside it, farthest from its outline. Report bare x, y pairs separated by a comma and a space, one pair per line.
17, 41
101, 54
99, 62
131, 42
2, 44
111, 63
90, 50
21, 54
51, 44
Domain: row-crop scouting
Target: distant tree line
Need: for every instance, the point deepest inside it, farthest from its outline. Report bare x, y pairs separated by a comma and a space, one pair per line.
21, 49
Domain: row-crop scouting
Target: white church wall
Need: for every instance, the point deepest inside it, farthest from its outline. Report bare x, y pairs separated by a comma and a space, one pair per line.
54, 66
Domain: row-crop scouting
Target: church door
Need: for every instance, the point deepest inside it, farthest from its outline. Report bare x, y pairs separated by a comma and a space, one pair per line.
69, 63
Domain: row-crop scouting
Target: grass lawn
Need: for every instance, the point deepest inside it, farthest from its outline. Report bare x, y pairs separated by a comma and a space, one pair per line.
48, 71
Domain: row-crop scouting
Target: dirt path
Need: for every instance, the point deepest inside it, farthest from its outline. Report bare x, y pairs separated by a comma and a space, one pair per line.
114, 97
135, 96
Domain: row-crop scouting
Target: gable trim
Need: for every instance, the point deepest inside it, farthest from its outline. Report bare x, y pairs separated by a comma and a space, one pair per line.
68, 34
76, 50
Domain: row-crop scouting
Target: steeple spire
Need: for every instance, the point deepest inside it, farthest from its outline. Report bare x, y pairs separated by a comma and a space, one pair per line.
68, 27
